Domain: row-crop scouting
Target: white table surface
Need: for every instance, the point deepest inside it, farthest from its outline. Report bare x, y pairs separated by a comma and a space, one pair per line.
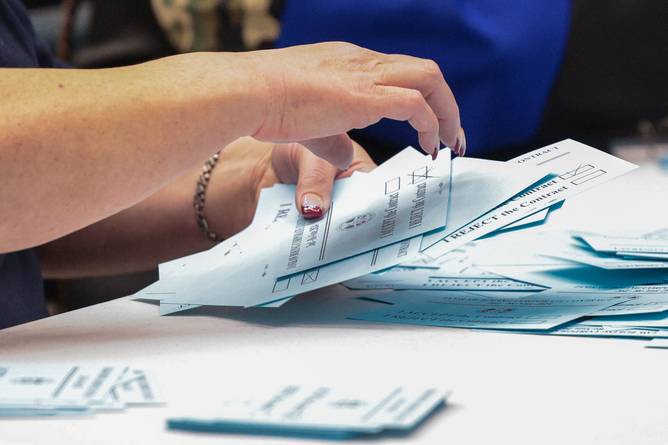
507, 388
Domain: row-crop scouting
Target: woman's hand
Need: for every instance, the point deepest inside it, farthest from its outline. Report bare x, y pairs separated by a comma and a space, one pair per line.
80, 146
247, 166
315, 93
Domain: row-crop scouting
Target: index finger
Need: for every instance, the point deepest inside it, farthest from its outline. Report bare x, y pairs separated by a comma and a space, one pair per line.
425, 76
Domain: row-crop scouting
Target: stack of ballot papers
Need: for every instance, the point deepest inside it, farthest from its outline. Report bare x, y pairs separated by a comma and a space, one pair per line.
527, 282
402, 222
53, 389
375, 221
316, 411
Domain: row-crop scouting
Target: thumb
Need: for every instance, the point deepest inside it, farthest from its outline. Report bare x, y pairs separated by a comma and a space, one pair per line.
338, 149
314, 185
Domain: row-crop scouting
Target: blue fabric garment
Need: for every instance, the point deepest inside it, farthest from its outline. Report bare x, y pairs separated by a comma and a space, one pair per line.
21, 289
500, 57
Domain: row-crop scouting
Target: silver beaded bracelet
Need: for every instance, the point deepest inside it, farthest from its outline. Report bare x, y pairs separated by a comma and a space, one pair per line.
199, 200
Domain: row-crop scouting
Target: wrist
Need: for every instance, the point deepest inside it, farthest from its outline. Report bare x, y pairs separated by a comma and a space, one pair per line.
268, 91
223, 91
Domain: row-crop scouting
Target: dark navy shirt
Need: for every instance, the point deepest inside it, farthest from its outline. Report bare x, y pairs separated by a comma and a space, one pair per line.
21, 290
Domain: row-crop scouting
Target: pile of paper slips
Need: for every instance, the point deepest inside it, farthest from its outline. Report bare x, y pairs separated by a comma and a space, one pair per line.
316, 411
542, 281
411, 211
55, 389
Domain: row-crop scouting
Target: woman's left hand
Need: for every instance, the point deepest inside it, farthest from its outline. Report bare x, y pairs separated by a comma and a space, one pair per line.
163, 227
247, 166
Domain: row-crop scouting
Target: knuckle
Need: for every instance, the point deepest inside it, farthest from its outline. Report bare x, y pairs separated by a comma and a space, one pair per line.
315, 178
433, 122
414, 99
432, 70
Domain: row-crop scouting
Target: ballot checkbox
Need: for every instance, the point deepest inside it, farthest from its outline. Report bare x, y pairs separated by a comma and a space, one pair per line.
420, 175
392, 186
579, 171
281, 285
593, 175
310, 276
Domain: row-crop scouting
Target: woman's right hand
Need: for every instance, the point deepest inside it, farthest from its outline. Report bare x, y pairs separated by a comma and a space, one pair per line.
315, 93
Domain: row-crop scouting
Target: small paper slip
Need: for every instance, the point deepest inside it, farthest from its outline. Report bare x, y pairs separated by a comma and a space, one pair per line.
402, 278
651, 320
616, 244
584, 329
560, 276
466, 310
315, 411
658, 344
641, 299
29, 390
644, 256
579, 254
54, 385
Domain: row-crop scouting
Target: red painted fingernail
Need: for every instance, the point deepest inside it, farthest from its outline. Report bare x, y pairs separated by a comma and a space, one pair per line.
458, 146
311, 206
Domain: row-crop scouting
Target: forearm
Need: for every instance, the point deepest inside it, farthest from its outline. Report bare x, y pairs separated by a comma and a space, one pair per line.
163, 226
160, 228
77, 146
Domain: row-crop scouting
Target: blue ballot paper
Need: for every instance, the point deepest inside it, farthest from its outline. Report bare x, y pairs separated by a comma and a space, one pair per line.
651, 320
314, 410
580, 254
403, 278
658, 344
618, 244
588, 329
467, 310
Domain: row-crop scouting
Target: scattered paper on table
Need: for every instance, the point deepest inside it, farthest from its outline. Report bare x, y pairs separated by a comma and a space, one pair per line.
52, 389
460, 309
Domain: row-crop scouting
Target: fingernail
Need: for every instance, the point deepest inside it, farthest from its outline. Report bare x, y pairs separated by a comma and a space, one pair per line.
311, 206
437, 147
462, 135
457, 148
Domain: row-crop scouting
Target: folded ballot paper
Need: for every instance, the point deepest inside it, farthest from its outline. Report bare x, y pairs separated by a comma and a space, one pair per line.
53, 389
315, 411
411, 211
